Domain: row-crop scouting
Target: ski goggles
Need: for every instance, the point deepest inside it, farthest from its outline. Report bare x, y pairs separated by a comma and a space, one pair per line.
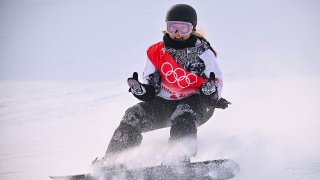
182, 27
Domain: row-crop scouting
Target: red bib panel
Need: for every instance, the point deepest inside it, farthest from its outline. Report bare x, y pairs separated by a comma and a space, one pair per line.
174, 79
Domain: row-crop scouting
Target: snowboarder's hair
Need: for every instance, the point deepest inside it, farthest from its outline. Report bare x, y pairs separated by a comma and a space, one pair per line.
200, 34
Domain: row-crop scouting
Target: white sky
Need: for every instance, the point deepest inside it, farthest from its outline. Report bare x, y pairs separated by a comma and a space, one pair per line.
81, 40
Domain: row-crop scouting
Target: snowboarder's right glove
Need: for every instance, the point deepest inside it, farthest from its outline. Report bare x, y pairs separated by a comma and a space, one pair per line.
210, 89
141, 91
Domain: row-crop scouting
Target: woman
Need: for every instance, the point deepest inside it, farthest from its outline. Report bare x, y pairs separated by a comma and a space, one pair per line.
181, 87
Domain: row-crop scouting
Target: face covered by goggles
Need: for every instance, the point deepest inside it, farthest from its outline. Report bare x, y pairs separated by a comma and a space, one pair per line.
182, 27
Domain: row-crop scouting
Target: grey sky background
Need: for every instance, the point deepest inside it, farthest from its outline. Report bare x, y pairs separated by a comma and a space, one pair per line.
99, 40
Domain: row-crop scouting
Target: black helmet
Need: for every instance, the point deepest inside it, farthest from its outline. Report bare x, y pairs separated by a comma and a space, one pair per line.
182, 12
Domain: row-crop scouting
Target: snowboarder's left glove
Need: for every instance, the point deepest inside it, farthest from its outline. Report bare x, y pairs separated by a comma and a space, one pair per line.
141, 91
210, 89
209, 86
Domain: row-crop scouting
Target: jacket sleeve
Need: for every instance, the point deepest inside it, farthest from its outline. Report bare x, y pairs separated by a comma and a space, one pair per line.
211, 64
151, 76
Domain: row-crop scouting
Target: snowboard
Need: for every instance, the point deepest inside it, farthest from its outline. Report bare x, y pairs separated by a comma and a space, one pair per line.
204, 170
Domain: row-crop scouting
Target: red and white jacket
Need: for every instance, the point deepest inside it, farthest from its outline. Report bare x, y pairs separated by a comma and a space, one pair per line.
176, 82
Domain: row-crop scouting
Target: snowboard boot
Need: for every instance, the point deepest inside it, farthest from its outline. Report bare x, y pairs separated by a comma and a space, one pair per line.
183, 133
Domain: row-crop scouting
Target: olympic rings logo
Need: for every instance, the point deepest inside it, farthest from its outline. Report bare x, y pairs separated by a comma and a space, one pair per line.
178, 75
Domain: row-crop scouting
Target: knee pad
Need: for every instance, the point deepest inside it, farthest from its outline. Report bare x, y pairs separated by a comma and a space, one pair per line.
183, 122
183, 110
134, 116
124, 137
183, 127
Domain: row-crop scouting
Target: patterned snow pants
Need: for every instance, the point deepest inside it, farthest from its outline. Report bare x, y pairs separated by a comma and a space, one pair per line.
182, 116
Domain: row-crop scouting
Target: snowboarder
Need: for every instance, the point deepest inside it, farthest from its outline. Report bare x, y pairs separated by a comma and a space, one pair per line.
182, 85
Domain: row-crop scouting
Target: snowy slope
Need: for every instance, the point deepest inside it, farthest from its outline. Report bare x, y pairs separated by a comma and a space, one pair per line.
64, 64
